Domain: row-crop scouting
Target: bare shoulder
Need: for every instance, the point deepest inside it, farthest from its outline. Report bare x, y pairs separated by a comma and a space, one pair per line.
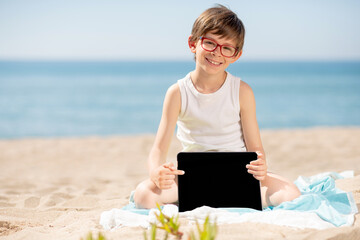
172, 100
173, 93
246, 91
174, 89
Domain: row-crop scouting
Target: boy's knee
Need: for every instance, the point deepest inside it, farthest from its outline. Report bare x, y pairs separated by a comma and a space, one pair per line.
142, 195
289, 193
292, 192
277, 190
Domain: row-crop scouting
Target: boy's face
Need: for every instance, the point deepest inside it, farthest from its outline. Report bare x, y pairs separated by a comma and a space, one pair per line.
213, 62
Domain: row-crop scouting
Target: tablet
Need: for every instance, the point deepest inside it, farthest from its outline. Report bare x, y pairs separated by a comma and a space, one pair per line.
217, 179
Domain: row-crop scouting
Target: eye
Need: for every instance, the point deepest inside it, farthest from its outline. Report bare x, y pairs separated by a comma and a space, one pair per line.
209, 42
228, 50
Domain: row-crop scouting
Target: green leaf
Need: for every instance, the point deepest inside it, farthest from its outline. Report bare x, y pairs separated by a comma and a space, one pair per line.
153, 232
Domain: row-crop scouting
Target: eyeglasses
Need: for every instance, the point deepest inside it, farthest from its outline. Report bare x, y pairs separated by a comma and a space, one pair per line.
210, 46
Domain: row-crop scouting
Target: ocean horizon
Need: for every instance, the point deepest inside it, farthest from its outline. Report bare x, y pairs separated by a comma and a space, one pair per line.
87, 98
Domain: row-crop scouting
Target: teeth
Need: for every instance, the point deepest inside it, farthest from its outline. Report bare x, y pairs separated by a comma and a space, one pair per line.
216, 63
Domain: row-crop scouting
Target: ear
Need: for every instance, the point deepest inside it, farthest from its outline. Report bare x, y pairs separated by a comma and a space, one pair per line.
192, 45
234, 59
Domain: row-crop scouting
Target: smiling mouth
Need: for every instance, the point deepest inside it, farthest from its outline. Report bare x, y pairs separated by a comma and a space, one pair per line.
213, 62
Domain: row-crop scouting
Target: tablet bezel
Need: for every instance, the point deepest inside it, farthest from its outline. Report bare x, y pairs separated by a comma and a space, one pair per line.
217, 179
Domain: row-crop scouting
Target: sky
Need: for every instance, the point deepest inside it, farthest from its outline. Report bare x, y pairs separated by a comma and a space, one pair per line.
158, 30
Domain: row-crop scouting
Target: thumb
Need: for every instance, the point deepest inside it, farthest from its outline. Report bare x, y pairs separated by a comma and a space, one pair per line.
170, 166
259, 153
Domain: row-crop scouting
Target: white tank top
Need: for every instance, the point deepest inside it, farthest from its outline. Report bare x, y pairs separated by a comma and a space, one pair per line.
210, 122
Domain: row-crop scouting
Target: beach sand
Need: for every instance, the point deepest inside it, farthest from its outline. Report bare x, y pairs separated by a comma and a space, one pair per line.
57, 188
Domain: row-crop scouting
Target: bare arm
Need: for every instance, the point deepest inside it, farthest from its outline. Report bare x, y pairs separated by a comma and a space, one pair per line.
159, 171
251, 131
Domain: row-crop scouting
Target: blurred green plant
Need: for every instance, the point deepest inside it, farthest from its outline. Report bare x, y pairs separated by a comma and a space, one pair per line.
208, 231
152, 233
171, 226
90, 237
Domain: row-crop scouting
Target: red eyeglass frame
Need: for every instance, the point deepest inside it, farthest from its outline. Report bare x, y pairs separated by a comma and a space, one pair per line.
218, 45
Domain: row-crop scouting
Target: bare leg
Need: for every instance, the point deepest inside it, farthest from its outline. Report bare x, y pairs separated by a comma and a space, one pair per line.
276, 189
147, 194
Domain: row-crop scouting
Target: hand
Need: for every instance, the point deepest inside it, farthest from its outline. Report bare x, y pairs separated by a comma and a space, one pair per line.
164, 175
258, 168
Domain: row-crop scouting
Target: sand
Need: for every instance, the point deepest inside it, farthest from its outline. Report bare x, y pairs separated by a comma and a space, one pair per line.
57, 188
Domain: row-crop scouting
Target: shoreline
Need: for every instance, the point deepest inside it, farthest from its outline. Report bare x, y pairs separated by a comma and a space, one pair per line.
339, 127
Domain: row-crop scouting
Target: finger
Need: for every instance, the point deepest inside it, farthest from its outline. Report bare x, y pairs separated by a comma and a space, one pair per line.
167, 184
256, 167
169, 176
260, 178
169, 166
258, 162
164, 172
164, 187
178, 172
257, 173
168, 169
175, 172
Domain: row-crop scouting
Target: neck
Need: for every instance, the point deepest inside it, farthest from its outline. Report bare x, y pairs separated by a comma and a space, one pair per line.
207, 83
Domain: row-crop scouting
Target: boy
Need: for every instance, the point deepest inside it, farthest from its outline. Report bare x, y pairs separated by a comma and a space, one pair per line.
214, 111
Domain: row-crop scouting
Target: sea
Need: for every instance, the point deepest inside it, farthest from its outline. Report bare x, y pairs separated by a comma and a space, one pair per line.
102, 98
